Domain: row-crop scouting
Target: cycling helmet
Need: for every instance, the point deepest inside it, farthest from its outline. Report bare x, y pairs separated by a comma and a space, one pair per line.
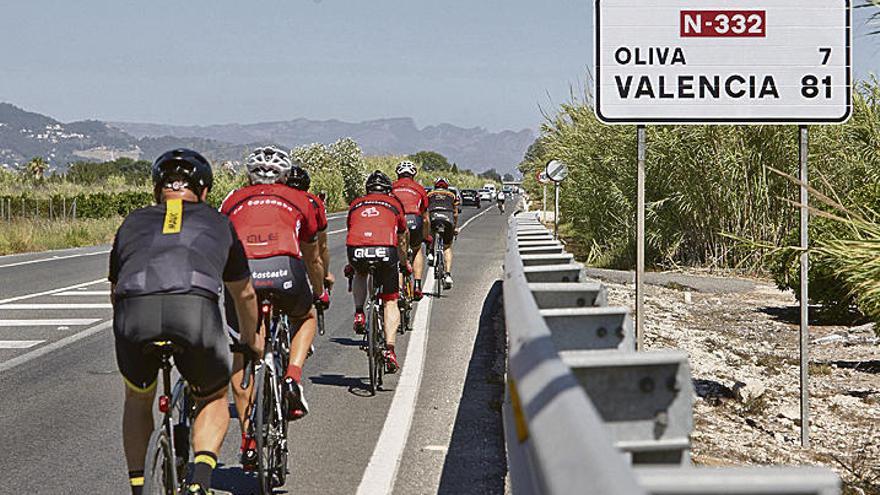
298, 178
181, 169
441, 183
268, 165
407, 168
378, 182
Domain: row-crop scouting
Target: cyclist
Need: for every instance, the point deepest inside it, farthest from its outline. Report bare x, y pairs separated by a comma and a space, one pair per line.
377, 232
415, 205
167, 266
500, 201
279, 227
299, 179
443, 210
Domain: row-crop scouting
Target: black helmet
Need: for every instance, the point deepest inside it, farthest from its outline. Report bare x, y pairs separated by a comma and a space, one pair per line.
298, 178
184, 165
378, 182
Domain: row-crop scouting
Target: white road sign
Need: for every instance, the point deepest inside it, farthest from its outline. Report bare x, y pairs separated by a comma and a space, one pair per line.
556, 171
723, 61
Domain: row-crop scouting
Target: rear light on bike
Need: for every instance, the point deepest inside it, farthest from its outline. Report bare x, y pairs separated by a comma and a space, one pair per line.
266, 309
164, 404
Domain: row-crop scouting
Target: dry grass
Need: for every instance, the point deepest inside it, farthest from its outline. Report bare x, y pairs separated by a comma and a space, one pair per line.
21, 236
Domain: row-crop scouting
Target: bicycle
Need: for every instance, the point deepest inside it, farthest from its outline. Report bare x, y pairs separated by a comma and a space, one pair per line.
439, 260
169, 449
501, 207
267, 422
374, 338
407, 295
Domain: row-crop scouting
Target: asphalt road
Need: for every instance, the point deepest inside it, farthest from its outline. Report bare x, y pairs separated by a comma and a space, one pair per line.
62, 394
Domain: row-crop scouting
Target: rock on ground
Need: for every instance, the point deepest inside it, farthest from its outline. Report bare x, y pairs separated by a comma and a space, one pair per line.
743, 349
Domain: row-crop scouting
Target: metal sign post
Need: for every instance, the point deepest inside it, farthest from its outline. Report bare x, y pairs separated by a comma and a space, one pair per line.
557, 172
805, 294
640, 240
541, 176
556, 213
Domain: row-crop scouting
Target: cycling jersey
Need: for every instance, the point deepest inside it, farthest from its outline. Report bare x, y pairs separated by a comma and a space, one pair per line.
375, 220
177, 247
320, 210
272, 220
442, 199
411, 195
168, 264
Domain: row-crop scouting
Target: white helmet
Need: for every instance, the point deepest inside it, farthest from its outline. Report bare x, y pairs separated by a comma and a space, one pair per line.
406, 167
268, 165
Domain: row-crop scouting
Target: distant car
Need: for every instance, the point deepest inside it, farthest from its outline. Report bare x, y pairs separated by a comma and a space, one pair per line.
486, 195
470, 197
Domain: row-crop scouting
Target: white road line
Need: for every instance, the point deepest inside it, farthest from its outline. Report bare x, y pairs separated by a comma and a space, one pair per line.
53, 258
83, 293
382, 469
337, 215
48, 323
42, 351
19, 344
58, 306
478, 215
336, 231
53, 291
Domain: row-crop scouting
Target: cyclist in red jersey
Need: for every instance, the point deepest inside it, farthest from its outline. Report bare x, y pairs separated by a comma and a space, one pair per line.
415, 205
278, 227
299, 179
377, 233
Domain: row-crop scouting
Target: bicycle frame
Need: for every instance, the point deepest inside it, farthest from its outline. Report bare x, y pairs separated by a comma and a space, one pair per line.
179, 400
269, 367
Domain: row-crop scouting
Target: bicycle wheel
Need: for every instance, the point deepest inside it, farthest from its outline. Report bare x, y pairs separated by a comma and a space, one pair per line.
278, 425
379, 339
372, 346
439, 267
160, 472
259, 428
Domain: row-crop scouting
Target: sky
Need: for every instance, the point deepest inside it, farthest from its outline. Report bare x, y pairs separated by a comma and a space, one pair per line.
487, 63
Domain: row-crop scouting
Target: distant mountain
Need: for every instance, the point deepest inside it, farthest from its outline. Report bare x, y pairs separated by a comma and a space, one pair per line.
24, 135
474, 148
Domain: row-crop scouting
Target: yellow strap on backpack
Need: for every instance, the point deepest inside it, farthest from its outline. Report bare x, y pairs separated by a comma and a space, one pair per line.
173, 216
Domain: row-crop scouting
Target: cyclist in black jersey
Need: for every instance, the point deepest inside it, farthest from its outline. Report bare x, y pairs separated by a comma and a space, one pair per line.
167, 268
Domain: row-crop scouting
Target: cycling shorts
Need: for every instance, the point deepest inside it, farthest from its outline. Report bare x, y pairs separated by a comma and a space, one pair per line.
284, 280
387, 266
415, 224
191, 321
441, 219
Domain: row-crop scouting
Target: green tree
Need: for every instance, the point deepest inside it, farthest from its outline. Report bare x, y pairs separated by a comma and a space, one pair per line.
430, 160
36, 168
508, 177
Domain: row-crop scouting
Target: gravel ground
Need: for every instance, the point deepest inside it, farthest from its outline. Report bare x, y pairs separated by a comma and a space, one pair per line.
742, 339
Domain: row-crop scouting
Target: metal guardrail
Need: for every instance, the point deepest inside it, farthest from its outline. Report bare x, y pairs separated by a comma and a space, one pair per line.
585, 413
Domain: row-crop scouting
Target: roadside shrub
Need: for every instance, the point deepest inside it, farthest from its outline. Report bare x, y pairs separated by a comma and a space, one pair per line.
708, 188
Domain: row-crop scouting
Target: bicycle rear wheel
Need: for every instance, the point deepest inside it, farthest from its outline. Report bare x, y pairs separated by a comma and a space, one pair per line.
372, 346
160, 472
259, 429
439, 268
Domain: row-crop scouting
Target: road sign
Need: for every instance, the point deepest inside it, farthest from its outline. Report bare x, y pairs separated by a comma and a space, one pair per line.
556, 171
730, 61
542, 177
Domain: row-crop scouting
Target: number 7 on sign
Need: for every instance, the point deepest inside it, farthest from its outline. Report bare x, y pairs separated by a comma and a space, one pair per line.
826, 53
